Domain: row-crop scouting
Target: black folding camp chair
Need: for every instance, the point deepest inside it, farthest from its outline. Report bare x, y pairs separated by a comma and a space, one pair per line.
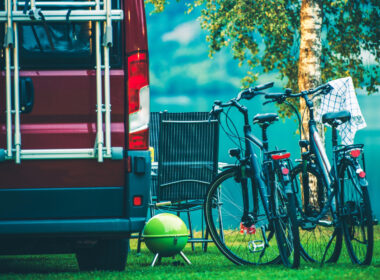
187, 163
187, 155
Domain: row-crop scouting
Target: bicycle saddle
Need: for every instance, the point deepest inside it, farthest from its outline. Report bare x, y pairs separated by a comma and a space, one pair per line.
336, 118
265, 118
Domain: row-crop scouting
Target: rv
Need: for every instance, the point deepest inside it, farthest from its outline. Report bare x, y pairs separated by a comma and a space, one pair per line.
74, 136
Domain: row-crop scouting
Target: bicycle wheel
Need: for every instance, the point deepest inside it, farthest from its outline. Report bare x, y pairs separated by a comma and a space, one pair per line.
223, 213
286, 226
357, 221
315, 237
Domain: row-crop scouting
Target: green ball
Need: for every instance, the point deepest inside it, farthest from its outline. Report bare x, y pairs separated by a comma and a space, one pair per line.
165, 234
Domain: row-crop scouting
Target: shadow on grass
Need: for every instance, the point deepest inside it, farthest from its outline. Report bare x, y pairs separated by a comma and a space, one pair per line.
38, 264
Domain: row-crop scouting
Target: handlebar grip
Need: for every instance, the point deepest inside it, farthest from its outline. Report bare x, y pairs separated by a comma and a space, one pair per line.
264, 86
323, 89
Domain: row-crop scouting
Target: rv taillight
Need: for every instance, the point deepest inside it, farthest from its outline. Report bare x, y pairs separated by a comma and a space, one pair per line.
139, 140
138, 101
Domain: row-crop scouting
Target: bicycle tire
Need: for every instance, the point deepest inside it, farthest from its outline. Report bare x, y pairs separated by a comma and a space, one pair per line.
223, 213
315, 237
357, 218
286, 227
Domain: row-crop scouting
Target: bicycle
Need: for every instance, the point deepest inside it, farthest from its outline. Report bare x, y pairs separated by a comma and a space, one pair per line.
250, 208
338, 205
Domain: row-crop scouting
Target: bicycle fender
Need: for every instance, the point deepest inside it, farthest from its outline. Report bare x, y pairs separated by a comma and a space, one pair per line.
362, 178
288, 188
363, 182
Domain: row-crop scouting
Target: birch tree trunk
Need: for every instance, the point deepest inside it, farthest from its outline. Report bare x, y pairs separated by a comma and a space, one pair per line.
309, 67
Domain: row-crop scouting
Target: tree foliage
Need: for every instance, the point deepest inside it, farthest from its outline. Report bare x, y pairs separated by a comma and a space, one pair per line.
350, 36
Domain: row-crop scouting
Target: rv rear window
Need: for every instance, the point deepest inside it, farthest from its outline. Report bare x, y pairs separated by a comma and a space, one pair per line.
62, 45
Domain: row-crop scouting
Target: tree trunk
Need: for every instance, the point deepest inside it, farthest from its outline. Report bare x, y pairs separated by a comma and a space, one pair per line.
309, 67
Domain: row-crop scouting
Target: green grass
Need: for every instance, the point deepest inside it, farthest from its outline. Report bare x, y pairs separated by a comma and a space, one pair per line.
210, 265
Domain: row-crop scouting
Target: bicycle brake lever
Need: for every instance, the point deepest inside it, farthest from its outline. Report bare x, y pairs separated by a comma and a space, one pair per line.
269, 101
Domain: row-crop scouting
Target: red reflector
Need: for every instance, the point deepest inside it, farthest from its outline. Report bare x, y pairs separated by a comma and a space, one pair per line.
247, 230
355, 153
280, 156
361, 174
285, 171
137, 200
139, 140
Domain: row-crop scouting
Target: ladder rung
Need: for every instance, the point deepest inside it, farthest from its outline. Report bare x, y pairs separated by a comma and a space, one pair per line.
62, 4
43, 154
60, 15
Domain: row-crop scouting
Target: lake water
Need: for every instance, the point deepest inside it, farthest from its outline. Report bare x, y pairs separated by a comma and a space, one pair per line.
282, 134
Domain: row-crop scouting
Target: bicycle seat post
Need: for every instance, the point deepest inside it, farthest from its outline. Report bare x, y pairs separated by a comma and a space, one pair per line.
264, 134
334, 136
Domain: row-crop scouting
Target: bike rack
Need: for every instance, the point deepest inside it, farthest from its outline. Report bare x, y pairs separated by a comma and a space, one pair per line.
94, 11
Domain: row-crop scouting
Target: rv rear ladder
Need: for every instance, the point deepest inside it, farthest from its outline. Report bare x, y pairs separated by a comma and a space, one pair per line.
96, 11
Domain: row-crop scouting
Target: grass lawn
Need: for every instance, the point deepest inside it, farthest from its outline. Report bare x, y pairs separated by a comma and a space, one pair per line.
210, 265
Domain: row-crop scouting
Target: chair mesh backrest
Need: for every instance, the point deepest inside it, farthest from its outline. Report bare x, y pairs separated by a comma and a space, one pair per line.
188, 156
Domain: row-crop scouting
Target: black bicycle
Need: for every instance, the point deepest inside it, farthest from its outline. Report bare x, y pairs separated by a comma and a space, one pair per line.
334, 200
250, 207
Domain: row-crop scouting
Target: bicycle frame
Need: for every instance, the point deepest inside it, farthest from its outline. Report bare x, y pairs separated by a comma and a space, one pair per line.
257, 181
265, 189
328, 173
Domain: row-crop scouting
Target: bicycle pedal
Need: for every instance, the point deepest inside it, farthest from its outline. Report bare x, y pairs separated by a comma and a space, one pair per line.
325, 223
255, 246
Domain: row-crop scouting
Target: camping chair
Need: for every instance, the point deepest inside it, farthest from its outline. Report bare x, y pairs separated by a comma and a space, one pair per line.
187, 157
187, 163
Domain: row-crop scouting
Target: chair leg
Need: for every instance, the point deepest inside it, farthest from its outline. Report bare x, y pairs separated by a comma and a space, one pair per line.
206, 243
139, 240
220, 221
152, 210
191, 230
204, 235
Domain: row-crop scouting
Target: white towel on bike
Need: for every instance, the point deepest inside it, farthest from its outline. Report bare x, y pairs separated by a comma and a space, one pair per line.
343, 97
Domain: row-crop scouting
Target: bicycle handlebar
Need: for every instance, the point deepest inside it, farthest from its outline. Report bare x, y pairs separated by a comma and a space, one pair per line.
280, 97
248, 94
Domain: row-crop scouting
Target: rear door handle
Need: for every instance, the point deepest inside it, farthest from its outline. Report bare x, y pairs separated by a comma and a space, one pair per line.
26, 95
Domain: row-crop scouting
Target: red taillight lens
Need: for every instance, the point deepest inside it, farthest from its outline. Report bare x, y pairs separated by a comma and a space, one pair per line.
355, 153
137, 79
361, 174
138, 101
139, 140
137, 200
280, 156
